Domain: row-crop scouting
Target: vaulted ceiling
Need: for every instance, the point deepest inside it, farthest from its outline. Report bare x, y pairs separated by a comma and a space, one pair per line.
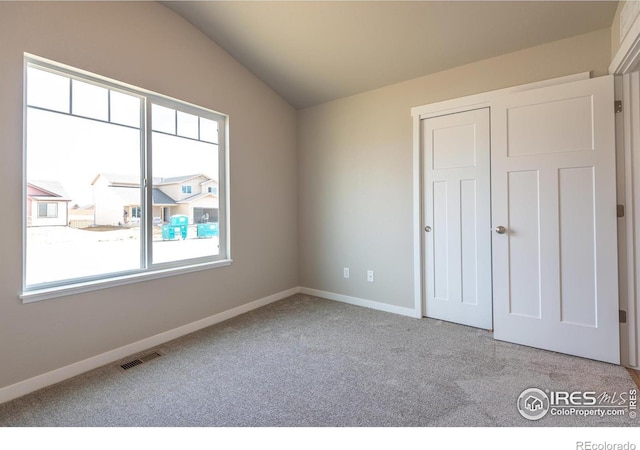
311, 52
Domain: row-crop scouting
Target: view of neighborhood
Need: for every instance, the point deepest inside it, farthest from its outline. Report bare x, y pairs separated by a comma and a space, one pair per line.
84, 193
58, 229
117, 201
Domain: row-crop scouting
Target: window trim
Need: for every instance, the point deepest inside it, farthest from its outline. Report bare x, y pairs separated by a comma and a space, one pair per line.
35, 295
147, 270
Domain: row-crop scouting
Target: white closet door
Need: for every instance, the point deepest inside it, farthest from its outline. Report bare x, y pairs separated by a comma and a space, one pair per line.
554, 192
457, 218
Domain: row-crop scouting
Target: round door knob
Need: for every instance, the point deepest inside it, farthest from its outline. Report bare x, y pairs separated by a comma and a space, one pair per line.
427, 228
500, 229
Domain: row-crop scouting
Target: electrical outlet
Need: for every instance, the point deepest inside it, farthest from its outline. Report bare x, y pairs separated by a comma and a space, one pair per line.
370, 275
346, 272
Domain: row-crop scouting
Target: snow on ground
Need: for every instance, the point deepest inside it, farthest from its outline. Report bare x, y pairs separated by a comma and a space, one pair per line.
60, 253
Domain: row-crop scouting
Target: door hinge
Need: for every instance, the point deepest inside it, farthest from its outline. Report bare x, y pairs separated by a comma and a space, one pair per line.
620, 211
623, 316
618, 106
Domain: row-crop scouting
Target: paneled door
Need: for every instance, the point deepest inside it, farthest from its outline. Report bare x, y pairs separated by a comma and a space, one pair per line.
457, 218
554, 219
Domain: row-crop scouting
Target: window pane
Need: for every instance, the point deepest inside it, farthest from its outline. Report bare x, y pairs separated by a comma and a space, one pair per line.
125, 109
187, 125
89, 100
52, 210
163, 119
89, 172
208, 130
185, 213
47, 90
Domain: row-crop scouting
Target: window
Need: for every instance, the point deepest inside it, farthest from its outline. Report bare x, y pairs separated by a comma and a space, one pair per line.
48, 210
213, 190
127, 155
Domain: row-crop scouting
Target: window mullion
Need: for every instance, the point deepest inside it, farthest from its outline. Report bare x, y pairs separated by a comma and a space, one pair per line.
70, 96
147, 184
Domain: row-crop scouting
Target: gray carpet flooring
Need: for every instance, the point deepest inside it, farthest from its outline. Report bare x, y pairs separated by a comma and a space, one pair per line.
305, 361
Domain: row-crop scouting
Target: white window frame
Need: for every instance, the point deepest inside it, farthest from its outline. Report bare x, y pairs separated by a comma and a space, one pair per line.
147, 270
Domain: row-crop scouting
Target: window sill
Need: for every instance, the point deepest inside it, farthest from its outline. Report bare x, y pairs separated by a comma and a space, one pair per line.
88, 286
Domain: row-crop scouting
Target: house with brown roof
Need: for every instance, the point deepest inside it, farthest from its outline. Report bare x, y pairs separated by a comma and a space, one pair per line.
47, 204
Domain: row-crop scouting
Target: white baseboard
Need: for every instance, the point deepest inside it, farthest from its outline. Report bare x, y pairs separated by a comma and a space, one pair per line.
362, 302
55, 376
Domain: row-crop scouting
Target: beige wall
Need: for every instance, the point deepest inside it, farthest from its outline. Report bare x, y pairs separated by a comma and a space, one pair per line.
615, 30
147, 45
616, 23
355, 167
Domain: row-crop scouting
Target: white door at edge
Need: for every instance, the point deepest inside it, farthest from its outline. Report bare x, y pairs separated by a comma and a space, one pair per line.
555, 279
457, 218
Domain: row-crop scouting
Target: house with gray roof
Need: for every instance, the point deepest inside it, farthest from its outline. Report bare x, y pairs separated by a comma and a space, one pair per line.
118, 199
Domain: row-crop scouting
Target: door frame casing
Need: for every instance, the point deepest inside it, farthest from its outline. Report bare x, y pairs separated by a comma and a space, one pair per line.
419, 113
626, 66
